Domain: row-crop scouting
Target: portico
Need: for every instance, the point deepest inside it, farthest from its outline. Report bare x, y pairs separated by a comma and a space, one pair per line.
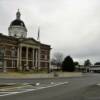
28, 57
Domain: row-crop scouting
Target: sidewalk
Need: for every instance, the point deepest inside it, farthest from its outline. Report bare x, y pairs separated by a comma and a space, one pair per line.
39, 75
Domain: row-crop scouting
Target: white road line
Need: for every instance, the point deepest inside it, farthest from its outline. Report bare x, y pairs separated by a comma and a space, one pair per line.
8, 93
98, 84
14, 88
29, 90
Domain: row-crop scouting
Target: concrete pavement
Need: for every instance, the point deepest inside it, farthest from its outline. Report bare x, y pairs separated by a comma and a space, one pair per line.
79, 88
39, 75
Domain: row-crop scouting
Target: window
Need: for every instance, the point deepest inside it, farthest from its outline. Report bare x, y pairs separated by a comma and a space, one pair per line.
1, 57
1, 53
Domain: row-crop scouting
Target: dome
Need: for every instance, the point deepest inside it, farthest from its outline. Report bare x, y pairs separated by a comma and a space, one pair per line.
17, 22
17, 27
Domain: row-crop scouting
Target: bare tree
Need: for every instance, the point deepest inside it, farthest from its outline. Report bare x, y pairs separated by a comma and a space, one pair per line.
57, 59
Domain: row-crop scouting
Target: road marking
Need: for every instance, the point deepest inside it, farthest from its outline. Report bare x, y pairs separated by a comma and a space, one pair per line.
8, 93
37, 84
98, 84
19, 87
52, 83
29, 90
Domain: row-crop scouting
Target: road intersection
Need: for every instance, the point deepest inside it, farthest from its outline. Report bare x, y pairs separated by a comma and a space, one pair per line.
74, 88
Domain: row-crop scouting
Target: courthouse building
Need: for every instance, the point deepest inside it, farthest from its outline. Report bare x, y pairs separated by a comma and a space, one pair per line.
18, 52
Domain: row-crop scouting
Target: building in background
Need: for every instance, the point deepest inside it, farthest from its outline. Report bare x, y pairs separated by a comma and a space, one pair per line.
18, 52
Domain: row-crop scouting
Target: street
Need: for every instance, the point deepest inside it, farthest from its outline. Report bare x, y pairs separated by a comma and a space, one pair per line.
78, 88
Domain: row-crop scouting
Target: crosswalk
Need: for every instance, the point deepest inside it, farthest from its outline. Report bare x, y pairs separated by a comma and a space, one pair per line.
28, 88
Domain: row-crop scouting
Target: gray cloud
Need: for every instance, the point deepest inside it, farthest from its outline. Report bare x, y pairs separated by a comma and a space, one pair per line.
70, 26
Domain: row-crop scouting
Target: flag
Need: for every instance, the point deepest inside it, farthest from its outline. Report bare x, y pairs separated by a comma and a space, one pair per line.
38, 37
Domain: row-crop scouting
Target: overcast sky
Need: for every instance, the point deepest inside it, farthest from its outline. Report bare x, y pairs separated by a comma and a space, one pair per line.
71, 27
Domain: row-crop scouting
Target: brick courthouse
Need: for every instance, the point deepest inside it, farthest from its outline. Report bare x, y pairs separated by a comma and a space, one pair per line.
17, 52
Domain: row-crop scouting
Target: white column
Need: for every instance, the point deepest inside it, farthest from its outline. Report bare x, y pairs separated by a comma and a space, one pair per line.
27, 66
20, 66
18, 57
12, 63
5, 65
38, 57
33, 58
26, 56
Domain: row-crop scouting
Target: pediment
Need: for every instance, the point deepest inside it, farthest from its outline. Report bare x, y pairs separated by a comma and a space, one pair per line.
30, 41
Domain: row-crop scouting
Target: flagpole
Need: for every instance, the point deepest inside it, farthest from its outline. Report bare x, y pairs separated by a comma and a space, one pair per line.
38, 37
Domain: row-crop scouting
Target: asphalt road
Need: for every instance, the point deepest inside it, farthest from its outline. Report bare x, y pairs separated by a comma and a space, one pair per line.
80, 88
